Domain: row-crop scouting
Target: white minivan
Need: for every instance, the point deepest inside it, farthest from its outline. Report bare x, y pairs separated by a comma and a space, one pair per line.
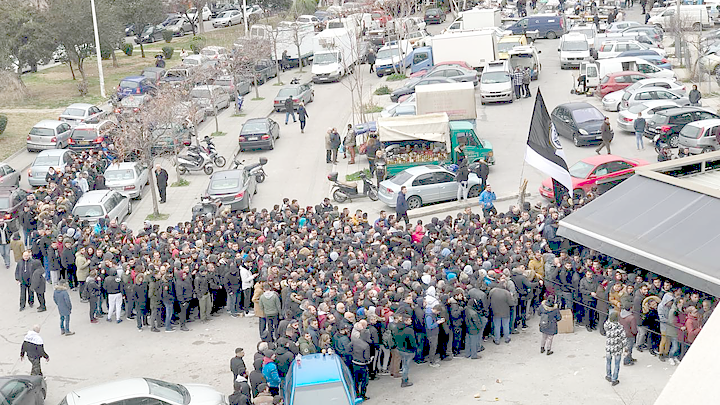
595, 71
496, 82
693, 17
573, 49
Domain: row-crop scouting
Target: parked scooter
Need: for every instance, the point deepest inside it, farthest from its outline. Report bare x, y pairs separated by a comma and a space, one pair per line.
343, 191
195, 160
210, 150
253, 169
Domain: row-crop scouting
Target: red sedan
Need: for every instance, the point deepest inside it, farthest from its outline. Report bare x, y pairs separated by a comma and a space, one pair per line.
606, 170
617, 81
421, 73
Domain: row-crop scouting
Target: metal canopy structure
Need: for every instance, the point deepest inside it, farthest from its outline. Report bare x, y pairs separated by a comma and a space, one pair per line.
665, 219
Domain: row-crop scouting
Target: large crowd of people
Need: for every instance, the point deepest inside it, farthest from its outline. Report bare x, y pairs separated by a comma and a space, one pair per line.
379, 294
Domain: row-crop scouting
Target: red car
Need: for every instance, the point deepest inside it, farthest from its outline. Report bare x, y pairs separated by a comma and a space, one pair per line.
421, 73
617, 81
605, 170
381, 17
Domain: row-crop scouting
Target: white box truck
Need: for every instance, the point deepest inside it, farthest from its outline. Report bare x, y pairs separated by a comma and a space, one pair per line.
335, 54
475, 19
692, 17
289, 36
474, 47
457, 100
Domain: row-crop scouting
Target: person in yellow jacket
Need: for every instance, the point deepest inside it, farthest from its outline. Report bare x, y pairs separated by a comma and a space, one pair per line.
83, 271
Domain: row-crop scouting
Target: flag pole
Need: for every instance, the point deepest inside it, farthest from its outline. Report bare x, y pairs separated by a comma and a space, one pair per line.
523, 181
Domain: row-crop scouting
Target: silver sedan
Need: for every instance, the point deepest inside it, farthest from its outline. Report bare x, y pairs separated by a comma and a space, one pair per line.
425, 184
626, 118
127, 178
454, 73
613, 101
631, 98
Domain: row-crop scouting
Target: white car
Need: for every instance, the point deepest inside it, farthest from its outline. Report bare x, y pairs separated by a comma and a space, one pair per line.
620, 26
215, 53
127, 178
227, 19
77, 113
425, 184
637, 96
626, 118
145, 391
611, 49
308, 19
613, 101
206, 13
194, 61
254, 11
406, 107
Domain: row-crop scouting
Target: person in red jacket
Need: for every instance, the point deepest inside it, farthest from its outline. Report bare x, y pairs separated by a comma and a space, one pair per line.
628, 322
692, 325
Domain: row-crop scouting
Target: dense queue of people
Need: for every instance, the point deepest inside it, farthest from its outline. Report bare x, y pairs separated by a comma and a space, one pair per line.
378, 293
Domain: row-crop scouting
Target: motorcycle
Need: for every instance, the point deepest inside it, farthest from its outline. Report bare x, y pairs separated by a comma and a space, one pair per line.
254, 169
342, 191
194, 161
211, 152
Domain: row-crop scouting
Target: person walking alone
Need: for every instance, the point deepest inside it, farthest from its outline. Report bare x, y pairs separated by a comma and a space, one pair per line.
34, 347
161, 175
639, 127
607, 136
5, 239
401, 206
302, 116
349, 143
549, 318
615, 342
462, 179
371, 59
64, 306
289, 109
694, 96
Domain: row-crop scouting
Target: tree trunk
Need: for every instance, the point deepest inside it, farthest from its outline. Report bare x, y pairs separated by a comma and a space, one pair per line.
257, 91
71, 69
114, 59
142, 50
153, 188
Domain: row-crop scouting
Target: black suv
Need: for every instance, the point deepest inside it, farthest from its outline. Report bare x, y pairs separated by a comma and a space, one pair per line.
667, 124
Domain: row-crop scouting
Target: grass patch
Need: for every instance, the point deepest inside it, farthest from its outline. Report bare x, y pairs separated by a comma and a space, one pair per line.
181, 182
396, 77
356, 176
257, 98
158, 217
218, 133
371, 108
239, 115
18, 126
382, 90
279, 84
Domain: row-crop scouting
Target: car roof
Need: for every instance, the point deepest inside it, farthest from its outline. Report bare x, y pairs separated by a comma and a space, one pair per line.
264, 120
47, 124
109, 391
600, 159
577, 106
93, 197
574, 35
417, 170
86, 125
680, 110
81, 105
705, 123
121, 166
316, 369
227, 174
133, 78
626, 73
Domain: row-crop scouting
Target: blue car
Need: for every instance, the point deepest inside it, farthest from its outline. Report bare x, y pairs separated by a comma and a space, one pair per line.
319, 379
650, 56
134, 85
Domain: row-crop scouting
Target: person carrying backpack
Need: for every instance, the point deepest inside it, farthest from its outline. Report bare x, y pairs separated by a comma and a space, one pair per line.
549, 317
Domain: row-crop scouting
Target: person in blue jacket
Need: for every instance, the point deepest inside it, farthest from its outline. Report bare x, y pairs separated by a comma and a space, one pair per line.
270, 372
486, 201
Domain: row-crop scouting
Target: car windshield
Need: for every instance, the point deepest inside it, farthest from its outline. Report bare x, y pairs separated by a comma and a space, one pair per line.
254, 128
226, 14
691, 131
119, 174
4, 202
388, 53
208, 52
190, 61
506, 46
283, 93
495, 77
587, 114
573, 46
173, 393
223, 82
200, 93
87, 133
224, 184
324, 58
587, 32
149, 74
88, 211
129, 84
401, 178
333, 393
42, 132
637, 108
581, 170
47, 161
74, 112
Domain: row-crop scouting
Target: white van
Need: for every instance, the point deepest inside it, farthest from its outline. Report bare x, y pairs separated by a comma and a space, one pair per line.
588, 30
595, 71
525, 56
692, 17
496, 82
573, 49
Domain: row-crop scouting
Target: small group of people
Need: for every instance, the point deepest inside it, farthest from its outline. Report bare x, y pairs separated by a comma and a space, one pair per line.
521, 82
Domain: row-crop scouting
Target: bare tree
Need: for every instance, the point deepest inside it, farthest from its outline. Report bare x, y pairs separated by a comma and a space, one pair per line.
245, 57
182, 7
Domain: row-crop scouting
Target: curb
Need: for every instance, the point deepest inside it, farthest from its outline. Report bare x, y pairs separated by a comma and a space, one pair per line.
454, 205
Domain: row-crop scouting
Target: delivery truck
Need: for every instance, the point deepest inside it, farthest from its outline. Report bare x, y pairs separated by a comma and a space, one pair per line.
476, 48
292, 38
475, 19
335, 53
429, 139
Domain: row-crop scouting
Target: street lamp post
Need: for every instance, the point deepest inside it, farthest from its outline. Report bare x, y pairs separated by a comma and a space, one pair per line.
245, 15
97, 50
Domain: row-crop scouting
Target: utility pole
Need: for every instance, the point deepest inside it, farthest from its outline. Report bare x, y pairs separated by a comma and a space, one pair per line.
97, 50
245, 20
678, 37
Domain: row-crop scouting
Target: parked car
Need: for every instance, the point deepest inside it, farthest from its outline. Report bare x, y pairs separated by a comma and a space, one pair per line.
578, 121
234, 85
710, 61
617, 81
454, 73
264, 70
228, 18
177, 77
130, 106
12, 202
150, 34
620, 26
205, 14
653, 31
24, 389
233, 188
135, 85
169, 137
613, 48
667, 124
299, 93
55, 158
614, 101
215, 53
319, 378
78, 113
97, 204
626, 118
258, 133
381, 17
153, 73
425, 185
217, 9
127, 178
194, 61
48, 134
700, 136
90, 136
9, 177
211, 98
602, 171
405, 107
179, 26
409, 86
308, 19
434, 16
637, 96
461, 64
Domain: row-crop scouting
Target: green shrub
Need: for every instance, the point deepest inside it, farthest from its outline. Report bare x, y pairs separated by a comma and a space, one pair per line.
396, 76
382, 90
106, 53
168, 51
167, 36
197, 43
3, 123
127, 49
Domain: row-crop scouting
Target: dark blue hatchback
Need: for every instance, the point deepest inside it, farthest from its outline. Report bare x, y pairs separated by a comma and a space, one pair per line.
134, 85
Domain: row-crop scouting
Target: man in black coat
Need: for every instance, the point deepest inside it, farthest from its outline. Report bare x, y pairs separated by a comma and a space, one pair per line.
482, 171
37, 284
23, 275
162, 179
33, 346
183, 293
